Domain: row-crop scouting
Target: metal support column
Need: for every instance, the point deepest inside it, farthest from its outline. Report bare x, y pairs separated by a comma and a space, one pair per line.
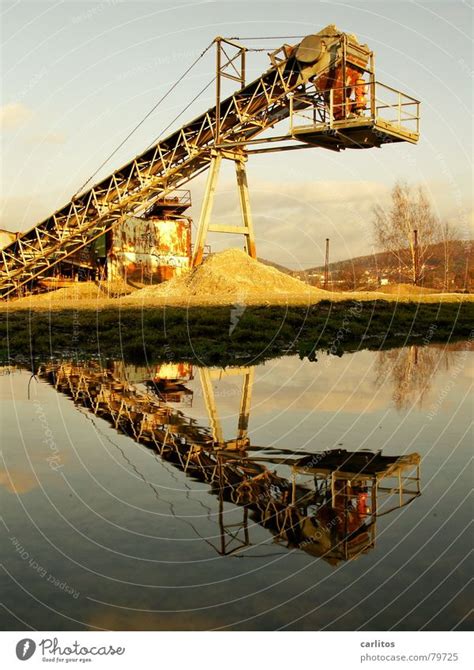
206, 208
244, 200
205, 226
210, 401
245, 402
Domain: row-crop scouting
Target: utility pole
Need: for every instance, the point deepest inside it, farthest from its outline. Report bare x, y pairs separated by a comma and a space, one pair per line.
416, 268
326, 265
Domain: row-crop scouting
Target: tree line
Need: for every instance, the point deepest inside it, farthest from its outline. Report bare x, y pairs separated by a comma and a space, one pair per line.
408, 228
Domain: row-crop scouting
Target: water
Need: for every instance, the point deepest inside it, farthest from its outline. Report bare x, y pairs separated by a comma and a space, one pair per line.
101, 532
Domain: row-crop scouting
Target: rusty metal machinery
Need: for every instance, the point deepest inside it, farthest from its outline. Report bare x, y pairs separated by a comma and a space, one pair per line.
328, 503
325, 86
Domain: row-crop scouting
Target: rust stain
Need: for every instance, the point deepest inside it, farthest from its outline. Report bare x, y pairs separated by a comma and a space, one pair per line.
150, 250
335, 79
174, 371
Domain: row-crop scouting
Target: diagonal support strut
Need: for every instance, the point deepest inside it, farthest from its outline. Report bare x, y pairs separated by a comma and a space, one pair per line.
205, 225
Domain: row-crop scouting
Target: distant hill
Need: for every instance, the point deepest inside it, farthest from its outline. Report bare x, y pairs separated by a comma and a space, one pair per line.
374, 270
281, 268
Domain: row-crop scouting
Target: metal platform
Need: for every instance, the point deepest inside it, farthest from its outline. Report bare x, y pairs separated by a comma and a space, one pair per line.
356, 134
388, 116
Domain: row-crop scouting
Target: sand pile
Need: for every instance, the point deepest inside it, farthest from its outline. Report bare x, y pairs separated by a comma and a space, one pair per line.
88, 292
406, 289
229, 277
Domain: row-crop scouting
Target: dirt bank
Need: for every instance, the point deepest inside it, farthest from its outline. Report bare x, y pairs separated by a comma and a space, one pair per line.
80, 294
227, 278
408, 289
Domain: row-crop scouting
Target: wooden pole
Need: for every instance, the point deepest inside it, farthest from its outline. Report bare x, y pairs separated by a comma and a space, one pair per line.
326, 265
416, 269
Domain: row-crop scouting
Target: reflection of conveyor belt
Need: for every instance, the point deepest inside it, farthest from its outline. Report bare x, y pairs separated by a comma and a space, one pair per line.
326, 506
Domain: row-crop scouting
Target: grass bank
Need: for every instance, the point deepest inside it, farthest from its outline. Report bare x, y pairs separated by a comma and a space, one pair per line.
226, 335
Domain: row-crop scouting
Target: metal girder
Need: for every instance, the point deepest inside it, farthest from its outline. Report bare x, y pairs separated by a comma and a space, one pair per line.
288, 88
205, 227
206, 208
167, 165
247, 221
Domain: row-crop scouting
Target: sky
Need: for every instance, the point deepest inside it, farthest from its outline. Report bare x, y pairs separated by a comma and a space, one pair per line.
78, 76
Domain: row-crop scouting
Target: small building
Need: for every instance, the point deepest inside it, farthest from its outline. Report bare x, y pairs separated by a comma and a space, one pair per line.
141, 250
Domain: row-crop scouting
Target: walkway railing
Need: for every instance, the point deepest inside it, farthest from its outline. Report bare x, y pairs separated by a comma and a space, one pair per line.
369, 102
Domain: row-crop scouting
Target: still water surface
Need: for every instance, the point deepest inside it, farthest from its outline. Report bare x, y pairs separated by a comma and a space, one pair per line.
282, 496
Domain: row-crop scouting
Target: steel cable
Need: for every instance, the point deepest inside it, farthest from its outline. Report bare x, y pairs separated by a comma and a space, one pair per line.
147, 115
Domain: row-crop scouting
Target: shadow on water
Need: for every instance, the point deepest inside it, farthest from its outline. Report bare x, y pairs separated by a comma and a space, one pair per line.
326, 504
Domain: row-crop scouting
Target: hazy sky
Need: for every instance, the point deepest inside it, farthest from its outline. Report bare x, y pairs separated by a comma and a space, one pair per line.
77, 77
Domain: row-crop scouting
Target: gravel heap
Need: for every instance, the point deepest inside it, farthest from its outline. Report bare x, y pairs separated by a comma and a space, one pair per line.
406, 289
79, 292
228, 277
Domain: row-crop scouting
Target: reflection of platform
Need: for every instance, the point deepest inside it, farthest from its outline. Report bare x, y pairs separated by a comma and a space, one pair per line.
352, 481
355, 468
361, 463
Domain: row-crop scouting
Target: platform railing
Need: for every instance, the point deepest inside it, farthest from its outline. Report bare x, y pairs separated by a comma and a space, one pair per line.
178, 197
352, 105
397, 108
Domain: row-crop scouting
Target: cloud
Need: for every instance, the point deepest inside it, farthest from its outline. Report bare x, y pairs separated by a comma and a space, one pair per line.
48, 138
17, 481
14, 114
20, 212
293, 219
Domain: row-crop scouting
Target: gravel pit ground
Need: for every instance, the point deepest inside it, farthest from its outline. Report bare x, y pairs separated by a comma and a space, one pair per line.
230, 277
408, 289
80, 293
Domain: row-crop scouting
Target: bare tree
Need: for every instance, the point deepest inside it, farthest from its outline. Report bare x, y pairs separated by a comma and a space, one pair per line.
449, 234
411, 371
394, 227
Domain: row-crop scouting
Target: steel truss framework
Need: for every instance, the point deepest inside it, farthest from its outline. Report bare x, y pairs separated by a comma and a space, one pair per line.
168, 165
231, 126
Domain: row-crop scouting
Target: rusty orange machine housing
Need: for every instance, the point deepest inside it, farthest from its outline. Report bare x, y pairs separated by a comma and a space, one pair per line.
152, 248
343, 65
146, 249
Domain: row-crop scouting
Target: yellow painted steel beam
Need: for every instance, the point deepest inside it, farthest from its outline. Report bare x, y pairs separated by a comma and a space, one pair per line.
166, 166
289, 86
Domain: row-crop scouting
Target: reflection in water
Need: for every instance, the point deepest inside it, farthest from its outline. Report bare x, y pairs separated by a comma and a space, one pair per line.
324, 503
412, 370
